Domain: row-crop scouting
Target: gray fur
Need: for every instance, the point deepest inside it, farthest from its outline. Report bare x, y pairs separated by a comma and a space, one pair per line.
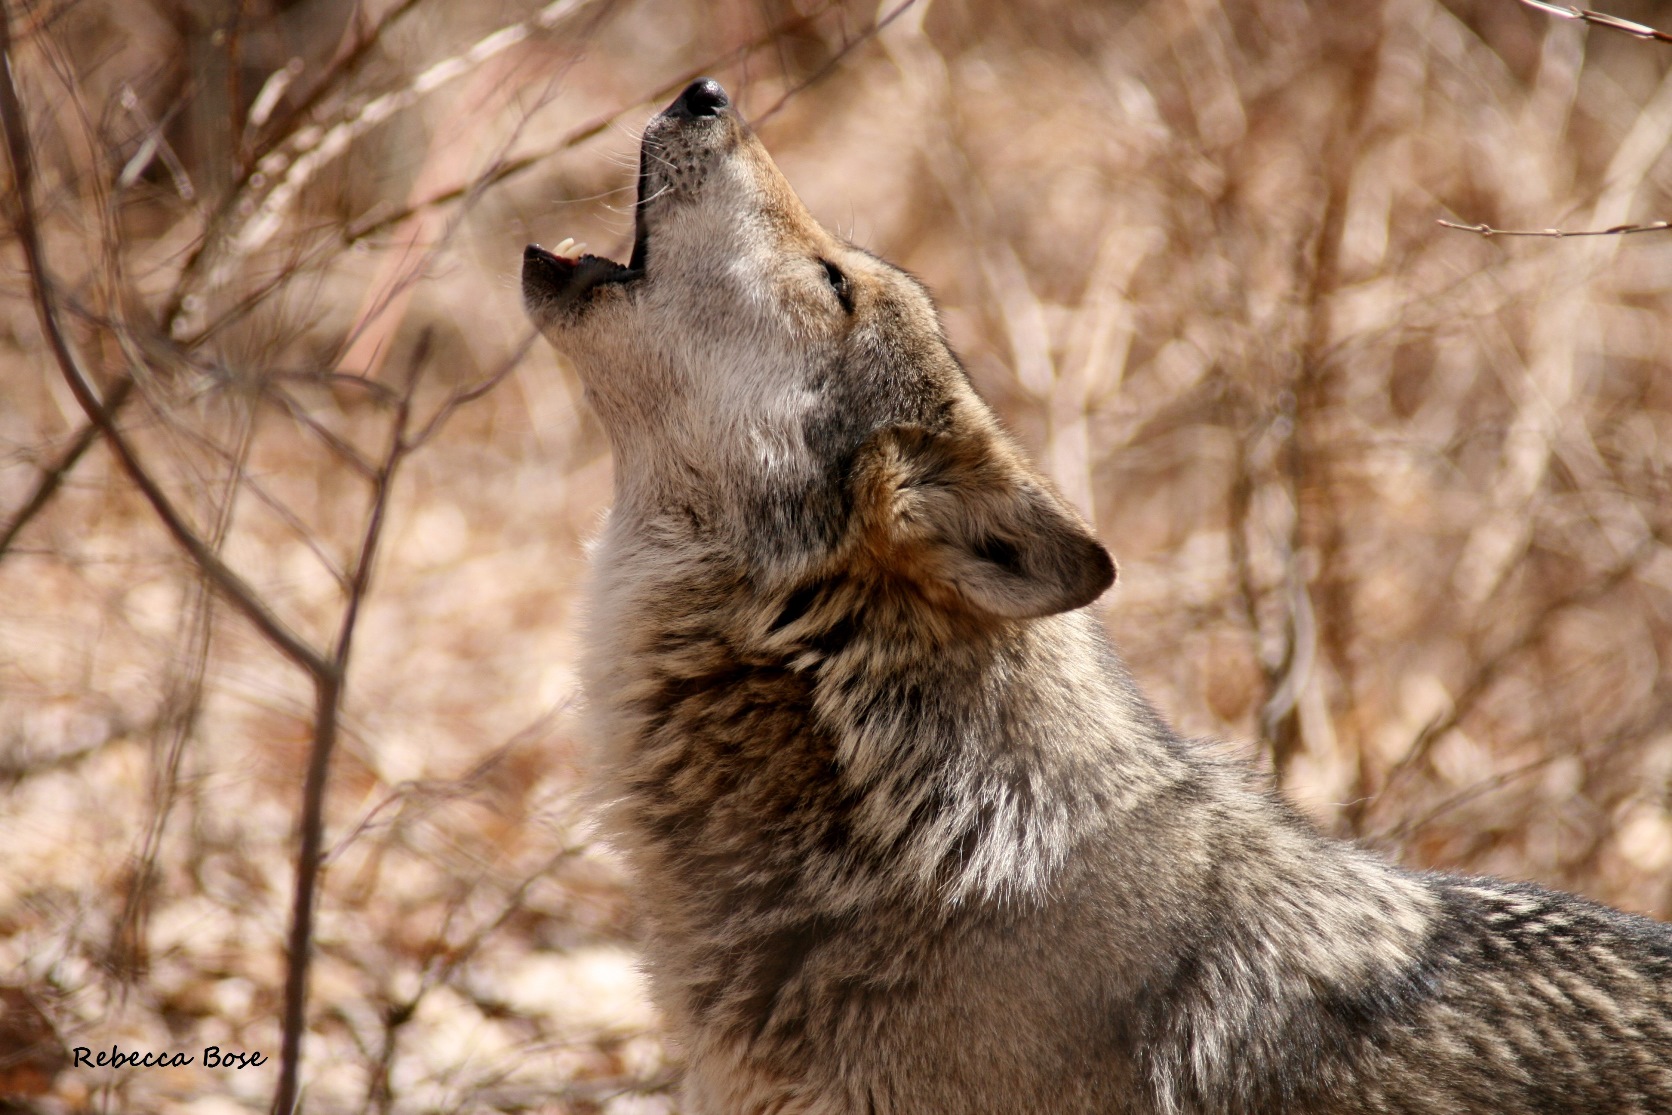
906, 837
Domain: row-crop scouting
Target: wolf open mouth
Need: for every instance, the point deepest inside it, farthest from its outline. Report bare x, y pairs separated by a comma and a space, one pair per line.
556, 279
560, 280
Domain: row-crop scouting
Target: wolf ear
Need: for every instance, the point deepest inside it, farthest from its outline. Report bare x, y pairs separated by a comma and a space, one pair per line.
974, 527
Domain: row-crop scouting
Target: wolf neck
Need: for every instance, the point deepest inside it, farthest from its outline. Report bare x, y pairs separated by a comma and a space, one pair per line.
989, 763
820, 732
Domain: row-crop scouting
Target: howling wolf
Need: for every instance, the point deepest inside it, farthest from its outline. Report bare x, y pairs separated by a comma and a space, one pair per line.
906, 837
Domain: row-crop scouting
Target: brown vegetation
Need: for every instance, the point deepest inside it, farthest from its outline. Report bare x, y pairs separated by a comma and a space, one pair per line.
1391, 500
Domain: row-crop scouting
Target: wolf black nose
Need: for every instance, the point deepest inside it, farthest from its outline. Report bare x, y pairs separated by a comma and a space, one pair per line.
703, 97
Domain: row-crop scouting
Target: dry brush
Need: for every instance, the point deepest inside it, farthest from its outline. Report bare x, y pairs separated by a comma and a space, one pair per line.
291, 511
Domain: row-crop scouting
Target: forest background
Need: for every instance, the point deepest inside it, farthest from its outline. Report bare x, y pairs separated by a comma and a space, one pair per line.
293, 510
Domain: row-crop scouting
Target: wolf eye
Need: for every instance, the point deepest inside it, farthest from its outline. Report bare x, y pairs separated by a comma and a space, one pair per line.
839, 284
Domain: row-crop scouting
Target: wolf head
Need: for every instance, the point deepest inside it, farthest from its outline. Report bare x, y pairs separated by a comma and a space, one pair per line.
776, 392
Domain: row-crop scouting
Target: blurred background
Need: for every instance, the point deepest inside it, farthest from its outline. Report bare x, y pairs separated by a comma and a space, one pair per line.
1391, 500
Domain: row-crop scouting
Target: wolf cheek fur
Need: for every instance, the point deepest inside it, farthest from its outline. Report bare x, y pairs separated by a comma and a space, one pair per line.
905, 835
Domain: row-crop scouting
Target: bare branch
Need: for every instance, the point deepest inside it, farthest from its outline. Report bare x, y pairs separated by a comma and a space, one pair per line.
317, 147
1403, 831
1599, 19
186, 704
227, 582
337, 445
52, 478
380, 220
441, 964
373, 223
344, 67
836, 59
328, 707
1531, 635
1557, 233
464, 395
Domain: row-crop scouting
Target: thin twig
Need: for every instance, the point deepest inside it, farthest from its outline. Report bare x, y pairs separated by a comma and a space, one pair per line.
378, 221
1558, 233
441, 964
1531, 635
283, 124
372, 223
186, 701
314, 148
293, 141
835, 60
332, 441
1613, 23
53, 476
230, 585
1599, 19
475, 391
347, 64
1397, 835
328, 708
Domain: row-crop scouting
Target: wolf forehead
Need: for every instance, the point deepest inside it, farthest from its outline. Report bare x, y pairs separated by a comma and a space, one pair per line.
725, 255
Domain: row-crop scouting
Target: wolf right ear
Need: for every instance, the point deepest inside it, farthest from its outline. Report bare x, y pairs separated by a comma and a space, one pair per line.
973, 527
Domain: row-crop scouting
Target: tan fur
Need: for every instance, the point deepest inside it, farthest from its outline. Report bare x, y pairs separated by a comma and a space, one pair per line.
906, 837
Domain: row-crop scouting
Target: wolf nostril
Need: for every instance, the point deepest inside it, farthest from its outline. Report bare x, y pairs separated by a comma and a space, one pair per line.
703, 97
